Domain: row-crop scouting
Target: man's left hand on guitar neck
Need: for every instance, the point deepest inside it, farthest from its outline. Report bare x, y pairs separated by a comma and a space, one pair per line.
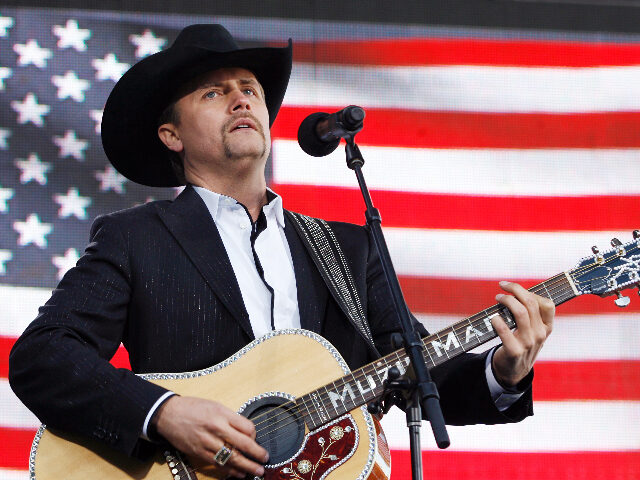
533, 315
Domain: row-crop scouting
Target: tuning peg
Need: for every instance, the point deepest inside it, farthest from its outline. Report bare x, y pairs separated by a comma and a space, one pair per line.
622, 301
598, 256
615, 242
636, 234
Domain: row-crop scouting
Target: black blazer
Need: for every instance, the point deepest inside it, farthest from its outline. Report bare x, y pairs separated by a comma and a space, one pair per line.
157, 278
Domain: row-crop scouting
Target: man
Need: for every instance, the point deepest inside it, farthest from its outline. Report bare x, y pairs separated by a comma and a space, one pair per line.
185, 284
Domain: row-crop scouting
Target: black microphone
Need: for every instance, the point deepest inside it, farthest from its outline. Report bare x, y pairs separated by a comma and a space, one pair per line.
320, 133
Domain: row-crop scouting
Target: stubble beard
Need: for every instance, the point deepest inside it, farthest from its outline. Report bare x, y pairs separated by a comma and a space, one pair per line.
231, 152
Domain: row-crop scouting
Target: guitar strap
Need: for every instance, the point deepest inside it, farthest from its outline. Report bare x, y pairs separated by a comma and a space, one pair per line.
329, 258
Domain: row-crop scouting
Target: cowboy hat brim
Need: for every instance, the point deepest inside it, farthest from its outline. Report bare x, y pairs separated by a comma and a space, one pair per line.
130, 119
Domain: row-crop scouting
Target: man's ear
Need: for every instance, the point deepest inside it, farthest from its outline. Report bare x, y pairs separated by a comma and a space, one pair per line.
169, 135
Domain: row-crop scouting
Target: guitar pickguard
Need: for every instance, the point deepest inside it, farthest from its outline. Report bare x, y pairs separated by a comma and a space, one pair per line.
322, 451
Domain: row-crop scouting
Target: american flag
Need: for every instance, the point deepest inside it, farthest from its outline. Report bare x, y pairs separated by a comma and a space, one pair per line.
491, 154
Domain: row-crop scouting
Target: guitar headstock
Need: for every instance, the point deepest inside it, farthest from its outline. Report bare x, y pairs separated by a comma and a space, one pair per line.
609, 272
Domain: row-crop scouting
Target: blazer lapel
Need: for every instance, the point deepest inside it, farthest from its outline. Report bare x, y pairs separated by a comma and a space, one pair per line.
312, 291
189, 221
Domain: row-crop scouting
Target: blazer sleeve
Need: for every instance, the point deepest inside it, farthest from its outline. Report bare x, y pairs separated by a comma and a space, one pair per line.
60, 367
462, 383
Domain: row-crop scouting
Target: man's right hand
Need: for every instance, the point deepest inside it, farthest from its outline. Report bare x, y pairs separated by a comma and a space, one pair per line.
199, 428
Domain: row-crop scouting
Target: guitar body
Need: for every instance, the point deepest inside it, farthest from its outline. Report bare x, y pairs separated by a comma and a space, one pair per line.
281, 366
263, 379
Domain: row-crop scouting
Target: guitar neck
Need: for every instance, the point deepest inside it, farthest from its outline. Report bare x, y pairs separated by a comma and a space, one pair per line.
367, 383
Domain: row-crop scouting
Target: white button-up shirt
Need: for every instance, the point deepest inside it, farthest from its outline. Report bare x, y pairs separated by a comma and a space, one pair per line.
261, 266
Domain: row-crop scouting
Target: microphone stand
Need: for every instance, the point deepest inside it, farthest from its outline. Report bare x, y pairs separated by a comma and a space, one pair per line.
424, 396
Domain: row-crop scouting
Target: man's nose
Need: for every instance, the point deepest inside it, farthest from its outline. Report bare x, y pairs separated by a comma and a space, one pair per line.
239, 101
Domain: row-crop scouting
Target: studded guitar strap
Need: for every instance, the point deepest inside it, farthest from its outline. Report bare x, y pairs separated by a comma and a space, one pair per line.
332, 264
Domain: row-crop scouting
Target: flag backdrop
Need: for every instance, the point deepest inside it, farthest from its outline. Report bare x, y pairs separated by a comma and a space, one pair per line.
492, 154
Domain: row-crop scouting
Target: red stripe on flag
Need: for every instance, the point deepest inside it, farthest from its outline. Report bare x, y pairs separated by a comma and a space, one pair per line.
594, 380
468, 51
466, 465
16, 445
414, 128
521, 466
119, 360
6, 343
469, 212
467, 296
602, 380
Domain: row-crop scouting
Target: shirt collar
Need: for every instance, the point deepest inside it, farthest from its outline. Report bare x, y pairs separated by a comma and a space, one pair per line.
275, 205
213, 200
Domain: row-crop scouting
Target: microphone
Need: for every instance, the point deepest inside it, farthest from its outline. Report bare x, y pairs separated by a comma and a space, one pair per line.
320, 133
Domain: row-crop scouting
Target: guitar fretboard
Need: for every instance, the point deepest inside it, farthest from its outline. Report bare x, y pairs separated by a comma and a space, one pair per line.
367, 383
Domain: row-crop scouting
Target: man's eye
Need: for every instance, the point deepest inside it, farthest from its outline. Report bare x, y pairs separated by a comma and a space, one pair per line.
211, 94
249, 91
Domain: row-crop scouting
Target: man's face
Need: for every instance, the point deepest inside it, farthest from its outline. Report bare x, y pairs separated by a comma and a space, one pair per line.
223, 122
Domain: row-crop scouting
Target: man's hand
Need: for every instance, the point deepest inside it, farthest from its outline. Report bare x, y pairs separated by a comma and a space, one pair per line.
201, 427
534, 319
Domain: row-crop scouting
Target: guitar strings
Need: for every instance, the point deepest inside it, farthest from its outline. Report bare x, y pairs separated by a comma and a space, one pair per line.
362, 374
550, 286
555, 284
362, 370
554, 288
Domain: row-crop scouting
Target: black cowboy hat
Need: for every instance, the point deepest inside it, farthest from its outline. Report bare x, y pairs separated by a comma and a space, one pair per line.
130, 118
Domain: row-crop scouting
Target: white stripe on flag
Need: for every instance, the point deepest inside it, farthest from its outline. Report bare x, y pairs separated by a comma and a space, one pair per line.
10, 474
532, 172
491, 255
574, 337
467, 88
568, 426
555, 427
20, 306
616, 334
14, 413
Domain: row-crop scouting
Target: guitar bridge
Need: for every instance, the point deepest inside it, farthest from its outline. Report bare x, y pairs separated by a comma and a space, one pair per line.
179, 468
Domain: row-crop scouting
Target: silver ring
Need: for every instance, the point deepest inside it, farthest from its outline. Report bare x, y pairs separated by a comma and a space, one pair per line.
223, 455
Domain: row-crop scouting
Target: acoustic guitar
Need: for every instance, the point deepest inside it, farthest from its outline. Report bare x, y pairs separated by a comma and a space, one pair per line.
309, 409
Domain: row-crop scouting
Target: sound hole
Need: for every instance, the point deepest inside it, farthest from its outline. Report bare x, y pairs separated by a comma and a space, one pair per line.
279, 427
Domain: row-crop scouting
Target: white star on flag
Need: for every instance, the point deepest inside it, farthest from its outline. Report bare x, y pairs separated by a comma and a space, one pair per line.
110, 179
66, 262
70, 145
71, 36
5, 24
5, 72
147, 43
72, 204
5, 194
29, 110
5, 256
33, 169
32, 53
109, 67
70, 86
4, 134
32, 230
96, 116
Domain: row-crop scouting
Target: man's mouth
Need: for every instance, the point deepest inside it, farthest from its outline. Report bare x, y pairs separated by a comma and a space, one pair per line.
243, 124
